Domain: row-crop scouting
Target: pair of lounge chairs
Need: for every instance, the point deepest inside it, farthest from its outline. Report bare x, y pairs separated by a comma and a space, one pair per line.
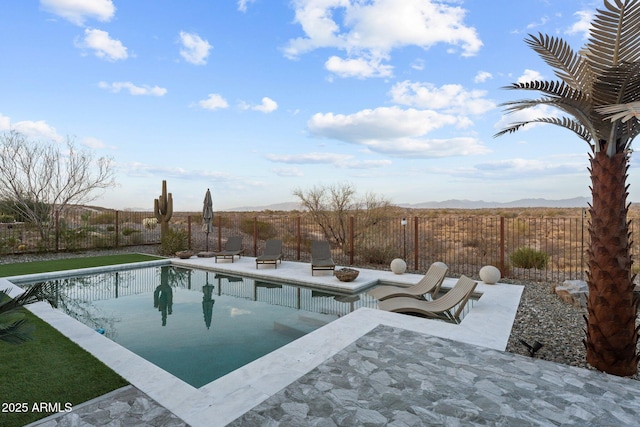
411, 300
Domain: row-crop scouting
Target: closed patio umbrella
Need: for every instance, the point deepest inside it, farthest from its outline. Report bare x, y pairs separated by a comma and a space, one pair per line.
207, 216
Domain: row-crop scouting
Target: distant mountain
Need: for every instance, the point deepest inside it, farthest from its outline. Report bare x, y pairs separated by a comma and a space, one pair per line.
287, 206
576, 202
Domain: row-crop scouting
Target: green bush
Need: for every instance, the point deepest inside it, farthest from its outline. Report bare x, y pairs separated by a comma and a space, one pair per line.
174, 241
529, 258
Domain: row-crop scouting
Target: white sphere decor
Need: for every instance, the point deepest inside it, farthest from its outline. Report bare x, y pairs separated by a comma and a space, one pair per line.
398, 266
441, 264
489, 274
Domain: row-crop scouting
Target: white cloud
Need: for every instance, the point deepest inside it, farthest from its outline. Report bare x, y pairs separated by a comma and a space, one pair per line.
242, 4
522, 168
77, 11
95, 143
396, 131
133, 89
451, 98
268, 105
482, 77
358, 67
529, 76
365, 30
214, 102
30, 128
195, 50
343, 161
583, 24
103, 45
287, 172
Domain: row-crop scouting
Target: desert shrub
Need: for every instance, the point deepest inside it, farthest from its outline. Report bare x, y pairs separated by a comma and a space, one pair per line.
7, 217
104, 240
111, 228
127, 231
174, 241
150, 223
103, 218
264, 229
379, 254
529, 258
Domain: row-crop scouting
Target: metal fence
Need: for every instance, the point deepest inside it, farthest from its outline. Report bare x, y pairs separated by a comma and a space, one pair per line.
547, 249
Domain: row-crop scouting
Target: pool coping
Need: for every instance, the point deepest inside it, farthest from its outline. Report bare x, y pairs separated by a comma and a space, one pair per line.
225, 399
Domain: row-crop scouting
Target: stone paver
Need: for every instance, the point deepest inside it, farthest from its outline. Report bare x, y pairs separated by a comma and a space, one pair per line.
126, 406
396, 377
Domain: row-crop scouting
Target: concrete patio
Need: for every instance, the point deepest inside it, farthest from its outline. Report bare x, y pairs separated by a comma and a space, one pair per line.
445, 374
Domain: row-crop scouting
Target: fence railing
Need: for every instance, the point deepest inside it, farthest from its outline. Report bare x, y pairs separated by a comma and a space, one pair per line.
548, 249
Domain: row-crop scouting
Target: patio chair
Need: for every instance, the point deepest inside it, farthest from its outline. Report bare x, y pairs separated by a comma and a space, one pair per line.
321, 256
232, 247
272, 253
442, 308
429, 284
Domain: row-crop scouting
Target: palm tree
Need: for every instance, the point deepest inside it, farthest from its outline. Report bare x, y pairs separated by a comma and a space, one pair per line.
604, 73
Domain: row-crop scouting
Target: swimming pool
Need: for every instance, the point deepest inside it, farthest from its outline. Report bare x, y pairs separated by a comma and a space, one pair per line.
197, 325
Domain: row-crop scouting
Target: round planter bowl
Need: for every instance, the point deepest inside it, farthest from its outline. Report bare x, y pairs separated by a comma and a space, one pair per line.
184, 254
398, 266
489, 274
346, 274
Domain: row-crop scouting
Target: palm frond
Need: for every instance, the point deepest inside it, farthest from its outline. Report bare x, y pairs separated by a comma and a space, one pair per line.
38, 292
623, 112
564, 122
568, 66
614, 36
618, 85
16, 332
551, 88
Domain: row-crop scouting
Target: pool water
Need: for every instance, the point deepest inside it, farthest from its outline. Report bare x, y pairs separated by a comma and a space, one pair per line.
195, 324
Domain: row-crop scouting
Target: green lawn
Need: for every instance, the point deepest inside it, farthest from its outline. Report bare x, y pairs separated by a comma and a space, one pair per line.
50, 368
16, 269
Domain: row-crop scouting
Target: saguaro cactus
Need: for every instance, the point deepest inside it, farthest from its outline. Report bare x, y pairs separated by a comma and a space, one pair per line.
163, 209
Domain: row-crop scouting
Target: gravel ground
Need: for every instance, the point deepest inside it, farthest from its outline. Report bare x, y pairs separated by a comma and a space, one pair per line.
541, 316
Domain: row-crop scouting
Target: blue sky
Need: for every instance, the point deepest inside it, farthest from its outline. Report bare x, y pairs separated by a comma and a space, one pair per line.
255, 98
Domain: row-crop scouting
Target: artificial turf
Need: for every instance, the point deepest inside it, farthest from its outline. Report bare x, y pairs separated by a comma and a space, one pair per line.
17, 269
48, 370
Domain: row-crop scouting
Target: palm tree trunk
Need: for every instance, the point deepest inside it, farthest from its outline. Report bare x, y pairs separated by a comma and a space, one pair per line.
611, 334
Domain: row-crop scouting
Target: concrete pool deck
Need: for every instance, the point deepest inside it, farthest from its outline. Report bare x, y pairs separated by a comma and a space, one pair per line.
274, 383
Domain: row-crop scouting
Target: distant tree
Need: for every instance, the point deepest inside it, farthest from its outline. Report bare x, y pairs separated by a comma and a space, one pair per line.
38, 179
330, 206
602, 78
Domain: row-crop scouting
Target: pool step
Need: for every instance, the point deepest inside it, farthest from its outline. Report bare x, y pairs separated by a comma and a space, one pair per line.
301, 324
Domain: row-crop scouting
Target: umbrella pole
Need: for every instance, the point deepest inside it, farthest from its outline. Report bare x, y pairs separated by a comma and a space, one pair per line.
207, 242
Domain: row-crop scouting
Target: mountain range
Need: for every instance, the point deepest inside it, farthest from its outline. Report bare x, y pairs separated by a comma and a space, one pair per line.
576, 202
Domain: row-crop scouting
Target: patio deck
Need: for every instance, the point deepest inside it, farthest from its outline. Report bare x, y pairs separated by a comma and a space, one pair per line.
425, 370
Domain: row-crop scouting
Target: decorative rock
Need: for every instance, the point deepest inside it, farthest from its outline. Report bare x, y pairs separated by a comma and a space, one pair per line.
489, 274
398, 266
573, 292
